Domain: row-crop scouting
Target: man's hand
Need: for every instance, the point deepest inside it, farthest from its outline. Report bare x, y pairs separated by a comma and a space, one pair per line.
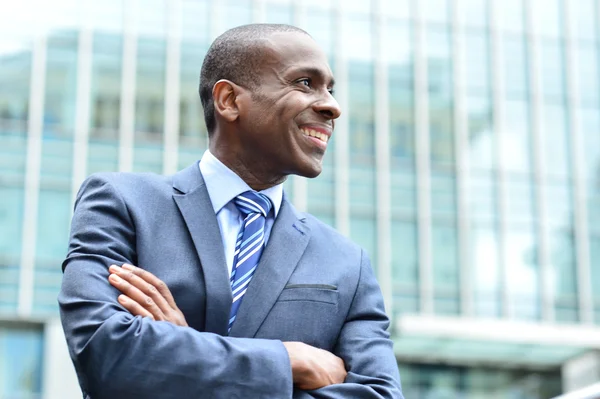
314, 368
144, 294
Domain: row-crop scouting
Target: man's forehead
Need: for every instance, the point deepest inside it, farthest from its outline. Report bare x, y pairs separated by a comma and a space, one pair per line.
296, 51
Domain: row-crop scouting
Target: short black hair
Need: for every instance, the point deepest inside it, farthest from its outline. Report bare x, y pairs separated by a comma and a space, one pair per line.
236, 56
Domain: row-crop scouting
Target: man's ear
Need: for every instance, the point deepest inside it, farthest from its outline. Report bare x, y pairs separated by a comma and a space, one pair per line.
225, 95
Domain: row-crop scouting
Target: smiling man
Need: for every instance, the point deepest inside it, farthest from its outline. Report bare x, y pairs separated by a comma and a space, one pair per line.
234, 293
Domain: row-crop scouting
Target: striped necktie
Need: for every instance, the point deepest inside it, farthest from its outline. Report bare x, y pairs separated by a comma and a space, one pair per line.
249, 245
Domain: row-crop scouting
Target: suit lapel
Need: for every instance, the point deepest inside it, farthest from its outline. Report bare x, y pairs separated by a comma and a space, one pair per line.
195, 206
287, 242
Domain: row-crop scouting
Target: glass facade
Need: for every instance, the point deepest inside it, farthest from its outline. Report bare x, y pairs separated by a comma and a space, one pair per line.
491, 119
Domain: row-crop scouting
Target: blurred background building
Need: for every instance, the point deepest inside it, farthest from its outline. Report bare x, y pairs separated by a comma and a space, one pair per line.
467, 162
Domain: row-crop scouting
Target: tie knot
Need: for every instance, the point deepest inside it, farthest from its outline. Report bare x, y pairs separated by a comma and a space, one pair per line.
253, 202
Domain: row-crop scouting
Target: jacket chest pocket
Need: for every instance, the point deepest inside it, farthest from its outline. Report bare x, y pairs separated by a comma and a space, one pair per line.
305, 313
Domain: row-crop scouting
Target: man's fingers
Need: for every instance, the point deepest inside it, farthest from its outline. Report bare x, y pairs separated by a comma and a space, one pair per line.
147, 288
154, 281
133, 307
135, 294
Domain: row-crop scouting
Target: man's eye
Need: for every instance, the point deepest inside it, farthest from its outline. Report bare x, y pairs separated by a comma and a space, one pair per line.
306, 82
331, 91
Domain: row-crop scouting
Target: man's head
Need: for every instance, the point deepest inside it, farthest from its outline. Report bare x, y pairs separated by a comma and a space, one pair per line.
266, 94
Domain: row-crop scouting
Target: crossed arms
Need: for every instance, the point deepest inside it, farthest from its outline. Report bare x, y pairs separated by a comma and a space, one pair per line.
118, 354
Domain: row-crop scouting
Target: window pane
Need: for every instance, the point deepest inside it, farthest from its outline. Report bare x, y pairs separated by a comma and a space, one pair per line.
588, 86
516, 73
477, 73
405, 267
511, 15
21, 354
481, 136
523, 271
444, 259
515, 153
475, 13
554, 139
437, 11
485, 264
552, 71
583, 18
547, 15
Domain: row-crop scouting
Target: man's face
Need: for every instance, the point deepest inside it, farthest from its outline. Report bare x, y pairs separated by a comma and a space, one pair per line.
287, 121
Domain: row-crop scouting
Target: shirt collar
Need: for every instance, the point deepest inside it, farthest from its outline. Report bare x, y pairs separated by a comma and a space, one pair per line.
223, 184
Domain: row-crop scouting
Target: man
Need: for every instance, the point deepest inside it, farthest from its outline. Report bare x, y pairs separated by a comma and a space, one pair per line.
235, 294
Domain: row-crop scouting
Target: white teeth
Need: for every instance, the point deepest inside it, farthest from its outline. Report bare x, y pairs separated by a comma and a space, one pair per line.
314, 133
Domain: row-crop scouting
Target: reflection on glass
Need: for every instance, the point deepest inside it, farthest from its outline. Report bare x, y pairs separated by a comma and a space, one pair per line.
485, 265
583, 19
588, 85
364, 232
105, 103
516, 73
482, 197
21, 355
319, 24
477, 74
564, 272
552, 71
548, 17
444, 263
193, 137
235, 13
424, 381
195, 23
589, 123
149, 105
515, 152
397, 8
475, 13
279, 14
15, 70
554, 139
481, 136
510, 15
61, 79
519, 198
437, 11
405, 265
522, 266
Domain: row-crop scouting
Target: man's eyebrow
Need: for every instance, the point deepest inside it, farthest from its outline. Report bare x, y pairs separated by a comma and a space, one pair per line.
314, 72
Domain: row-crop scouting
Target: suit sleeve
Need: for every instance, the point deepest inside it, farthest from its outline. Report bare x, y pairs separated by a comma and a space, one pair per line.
365, 347
117, 355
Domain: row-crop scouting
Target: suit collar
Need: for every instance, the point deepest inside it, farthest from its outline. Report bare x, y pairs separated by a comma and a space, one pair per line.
196, 208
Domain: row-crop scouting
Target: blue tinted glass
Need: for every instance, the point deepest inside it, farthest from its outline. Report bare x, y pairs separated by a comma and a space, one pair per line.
515, 153
583, 19
510, 15
61, 77
588, 85
21, 360
319, 23
105, 103
485, 263
149, 105
516, 73
523, 271
482, 194
279, 14
435, 10
548, 17
443, 193
477, 72
589, 123
482, 140
15, 71
364, 232
193, 137
554, 139
475, 13
519, 198
444, 261
234, 13
405, 266
552, 71
321, 190
195, 16
595, 272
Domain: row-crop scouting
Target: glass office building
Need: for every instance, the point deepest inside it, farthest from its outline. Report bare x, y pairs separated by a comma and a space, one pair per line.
466, 161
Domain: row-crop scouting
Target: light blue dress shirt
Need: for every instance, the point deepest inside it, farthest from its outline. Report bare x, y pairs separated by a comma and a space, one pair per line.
223, 186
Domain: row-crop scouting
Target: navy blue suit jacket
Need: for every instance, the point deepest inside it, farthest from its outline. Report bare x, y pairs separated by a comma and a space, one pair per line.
312, 285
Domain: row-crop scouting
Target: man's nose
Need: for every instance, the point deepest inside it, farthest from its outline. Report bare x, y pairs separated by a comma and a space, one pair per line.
328, 107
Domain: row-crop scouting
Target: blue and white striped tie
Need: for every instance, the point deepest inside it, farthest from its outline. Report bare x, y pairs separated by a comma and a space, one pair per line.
249, 246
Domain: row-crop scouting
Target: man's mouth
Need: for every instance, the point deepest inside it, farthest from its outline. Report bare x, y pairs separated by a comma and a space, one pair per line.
313, 133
